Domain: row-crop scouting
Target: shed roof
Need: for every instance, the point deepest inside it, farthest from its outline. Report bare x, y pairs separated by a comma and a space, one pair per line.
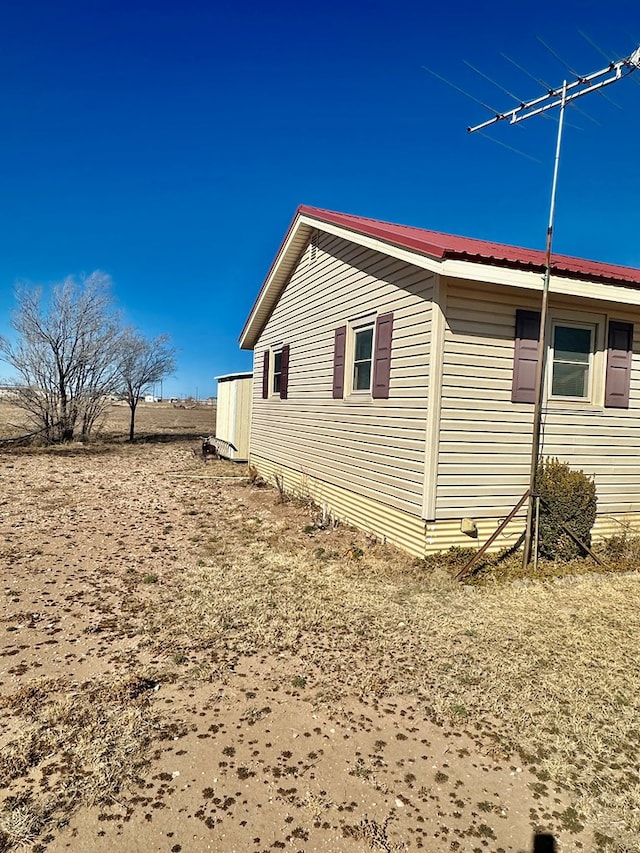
230, 377
432, 244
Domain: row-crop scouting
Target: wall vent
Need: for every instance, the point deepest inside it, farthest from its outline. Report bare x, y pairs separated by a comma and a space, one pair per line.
313, 252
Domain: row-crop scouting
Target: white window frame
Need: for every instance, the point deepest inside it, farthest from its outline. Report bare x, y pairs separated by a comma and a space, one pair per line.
361, 324
275, 351
596, 325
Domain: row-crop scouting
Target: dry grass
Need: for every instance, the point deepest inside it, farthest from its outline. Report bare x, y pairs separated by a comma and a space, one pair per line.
542, 671
373, 834
74, 747
154, 421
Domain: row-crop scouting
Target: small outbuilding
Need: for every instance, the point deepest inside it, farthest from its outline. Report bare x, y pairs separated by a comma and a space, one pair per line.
233, 413
394, 378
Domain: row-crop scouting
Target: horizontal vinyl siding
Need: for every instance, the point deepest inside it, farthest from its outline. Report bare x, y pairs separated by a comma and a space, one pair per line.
615, 525
372, 447
403, 529
485, 439
408, 532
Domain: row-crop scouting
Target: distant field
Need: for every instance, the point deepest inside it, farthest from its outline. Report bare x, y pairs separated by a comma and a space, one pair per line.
151, 419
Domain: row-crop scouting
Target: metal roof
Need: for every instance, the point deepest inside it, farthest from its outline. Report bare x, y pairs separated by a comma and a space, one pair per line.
441, 246
228, 377
431, 244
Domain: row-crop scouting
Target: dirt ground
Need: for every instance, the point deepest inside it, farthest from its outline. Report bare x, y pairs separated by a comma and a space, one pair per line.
187, 664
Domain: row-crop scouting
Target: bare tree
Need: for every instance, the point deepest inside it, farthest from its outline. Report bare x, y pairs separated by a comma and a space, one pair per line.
142, 362
66, 354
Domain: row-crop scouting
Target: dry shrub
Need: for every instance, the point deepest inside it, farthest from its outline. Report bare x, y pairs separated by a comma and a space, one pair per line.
504, 564
452, 560
253, 475
374, 834
283, 495
623, 550
26, 751
29, 698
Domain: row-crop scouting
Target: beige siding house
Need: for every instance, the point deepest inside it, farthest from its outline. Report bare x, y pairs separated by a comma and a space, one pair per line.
393, 378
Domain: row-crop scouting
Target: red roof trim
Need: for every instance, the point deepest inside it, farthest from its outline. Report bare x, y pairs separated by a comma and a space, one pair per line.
448, 246
433, 244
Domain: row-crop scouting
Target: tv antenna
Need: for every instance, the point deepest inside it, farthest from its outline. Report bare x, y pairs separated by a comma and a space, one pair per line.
558, 97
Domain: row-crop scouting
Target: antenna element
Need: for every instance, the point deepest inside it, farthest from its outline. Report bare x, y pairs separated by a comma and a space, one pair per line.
558, 97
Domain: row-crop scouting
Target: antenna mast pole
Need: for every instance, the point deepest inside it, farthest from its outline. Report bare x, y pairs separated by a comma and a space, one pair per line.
559, 97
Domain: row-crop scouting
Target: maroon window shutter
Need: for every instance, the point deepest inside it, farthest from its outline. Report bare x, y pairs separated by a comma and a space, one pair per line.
284, 374
382, 357
338, 362
620, 346
525, 360
265, 375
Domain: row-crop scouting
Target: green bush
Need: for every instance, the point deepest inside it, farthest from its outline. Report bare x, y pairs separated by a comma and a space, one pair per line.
570, 498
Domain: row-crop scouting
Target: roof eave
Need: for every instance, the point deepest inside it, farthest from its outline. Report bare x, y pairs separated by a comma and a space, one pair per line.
290, 249
558, 268
295, 241
434, 257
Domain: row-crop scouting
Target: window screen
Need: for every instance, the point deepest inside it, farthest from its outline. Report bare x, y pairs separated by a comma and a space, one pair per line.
362, 359
572, 348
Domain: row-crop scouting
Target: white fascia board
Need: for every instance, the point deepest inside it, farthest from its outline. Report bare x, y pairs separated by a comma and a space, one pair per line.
490, 274
532, 280
596, 290
468, 270
377, 245
487, 273
289, 252
279, 272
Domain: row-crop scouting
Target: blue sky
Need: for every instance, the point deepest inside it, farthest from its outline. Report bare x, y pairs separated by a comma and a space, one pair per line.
169, 143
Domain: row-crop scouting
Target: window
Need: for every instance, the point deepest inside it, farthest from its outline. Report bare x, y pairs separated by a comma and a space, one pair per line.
572, 360
275, 365
277, 372
362, 358
590, 359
